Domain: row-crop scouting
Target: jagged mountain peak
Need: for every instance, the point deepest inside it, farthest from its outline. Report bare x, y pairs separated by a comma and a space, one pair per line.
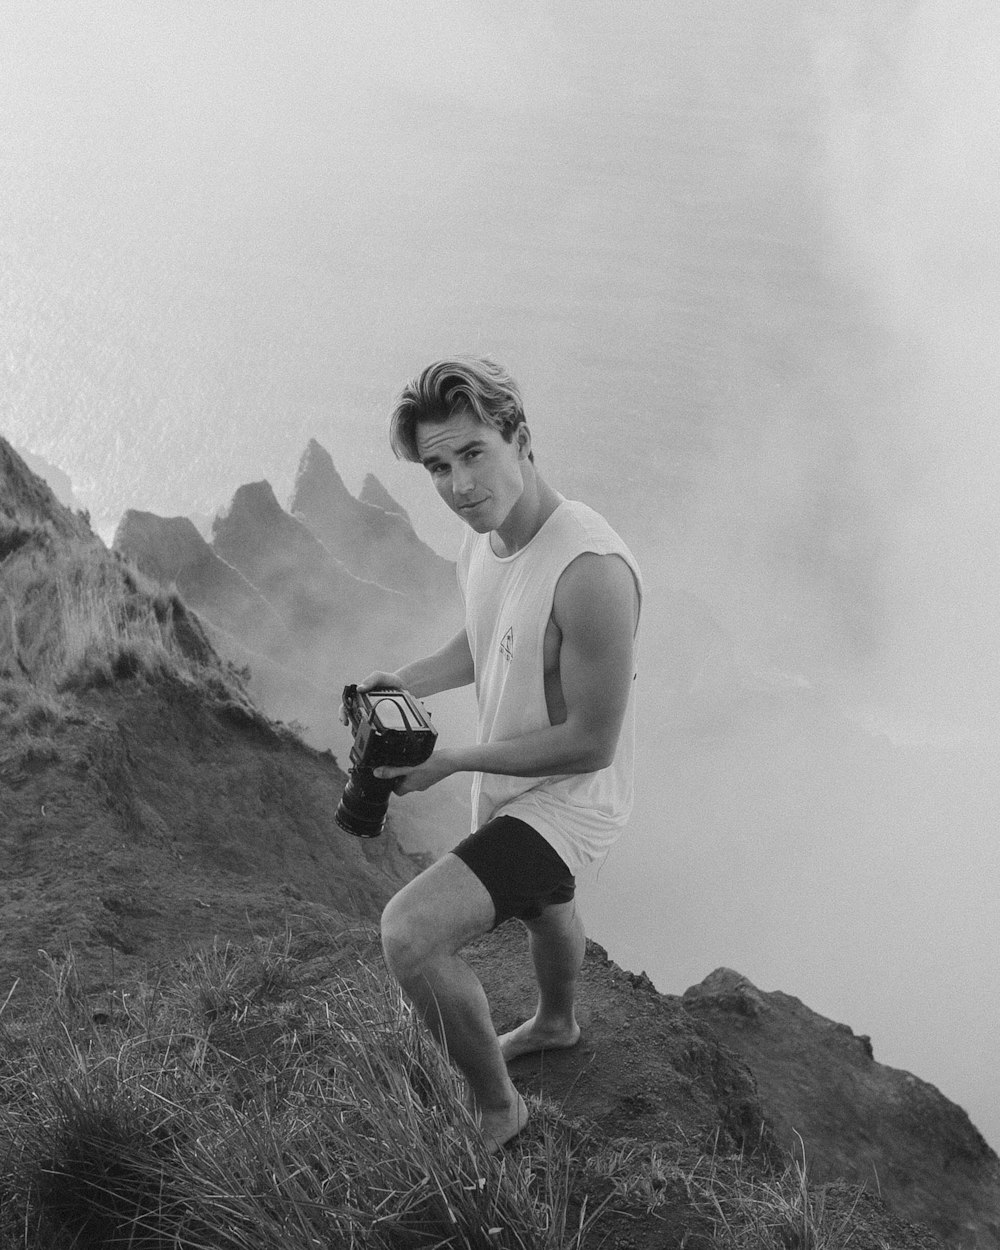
317, 482
168, 544
376, 543
253, 505
374, 493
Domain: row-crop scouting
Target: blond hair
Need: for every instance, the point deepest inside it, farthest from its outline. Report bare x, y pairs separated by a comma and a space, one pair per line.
474, 384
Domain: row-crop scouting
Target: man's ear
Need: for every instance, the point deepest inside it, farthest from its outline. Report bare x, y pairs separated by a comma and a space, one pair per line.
523, 436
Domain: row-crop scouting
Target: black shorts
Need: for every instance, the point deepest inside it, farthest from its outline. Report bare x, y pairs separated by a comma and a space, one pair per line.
522, 873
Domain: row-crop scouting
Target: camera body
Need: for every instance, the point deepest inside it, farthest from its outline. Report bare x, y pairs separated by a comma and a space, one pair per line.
390, 728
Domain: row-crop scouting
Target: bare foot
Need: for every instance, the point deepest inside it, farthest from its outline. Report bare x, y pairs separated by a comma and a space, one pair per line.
531, 1036
500, 1127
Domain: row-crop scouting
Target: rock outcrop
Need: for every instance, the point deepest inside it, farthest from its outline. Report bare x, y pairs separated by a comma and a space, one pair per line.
856, 1118
642, 1060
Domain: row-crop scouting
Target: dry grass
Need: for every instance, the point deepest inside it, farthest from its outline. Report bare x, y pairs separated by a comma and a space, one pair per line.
30, 711
282, 1094
782, 1211
279, 1095
75, 616
732, 1202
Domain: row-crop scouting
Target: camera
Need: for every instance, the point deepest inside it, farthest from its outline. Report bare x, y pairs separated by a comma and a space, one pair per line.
390, 728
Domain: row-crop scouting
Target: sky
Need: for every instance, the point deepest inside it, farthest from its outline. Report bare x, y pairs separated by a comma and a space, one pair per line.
743, 260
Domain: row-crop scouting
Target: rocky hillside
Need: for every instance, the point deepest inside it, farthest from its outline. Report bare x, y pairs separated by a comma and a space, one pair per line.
856, 1118
146, 805
144, 801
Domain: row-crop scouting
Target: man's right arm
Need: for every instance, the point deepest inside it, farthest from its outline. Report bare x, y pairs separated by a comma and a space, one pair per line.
446, 669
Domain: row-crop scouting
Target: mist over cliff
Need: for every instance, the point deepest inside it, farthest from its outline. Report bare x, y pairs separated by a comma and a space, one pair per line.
741, 259
149, 805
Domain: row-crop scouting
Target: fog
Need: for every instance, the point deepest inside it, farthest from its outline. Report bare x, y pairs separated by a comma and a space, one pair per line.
743, 260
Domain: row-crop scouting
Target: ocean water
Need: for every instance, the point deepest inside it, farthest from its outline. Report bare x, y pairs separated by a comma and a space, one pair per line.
749, 298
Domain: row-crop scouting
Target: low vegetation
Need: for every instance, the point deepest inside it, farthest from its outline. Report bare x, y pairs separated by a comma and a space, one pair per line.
276, 1095
282, 1094
75, 617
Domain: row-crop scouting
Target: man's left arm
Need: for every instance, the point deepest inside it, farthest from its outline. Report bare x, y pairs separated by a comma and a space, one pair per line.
596, 609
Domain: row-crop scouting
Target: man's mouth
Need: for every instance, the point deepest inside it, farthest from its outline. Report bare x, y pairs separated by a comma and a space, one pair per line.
466, 507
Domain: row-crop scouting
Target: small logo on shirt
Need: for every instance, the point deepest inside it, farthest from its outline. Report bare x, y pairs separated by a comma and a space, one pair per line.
507, 645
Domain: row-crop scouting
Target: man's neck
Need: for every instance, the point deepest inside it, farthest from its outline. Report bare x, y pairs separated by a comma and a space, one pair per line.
537, 503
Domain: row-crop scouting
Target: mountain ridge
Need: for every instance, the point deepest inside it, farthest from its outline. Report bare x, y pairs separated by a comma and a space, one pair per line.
372, 541
310, 599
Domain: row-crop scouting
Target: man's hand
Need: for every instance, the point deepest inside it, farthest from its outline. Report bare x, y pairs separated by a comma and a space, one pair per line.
372, 682
447, 669
421, 777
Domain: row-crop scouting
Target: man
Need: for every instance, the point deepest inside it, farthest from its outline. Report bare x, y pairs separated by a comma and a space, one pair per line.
552, 608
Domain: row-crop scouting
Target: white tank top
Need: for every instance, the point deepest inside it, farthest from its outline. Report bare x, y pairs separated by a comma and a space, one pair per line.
508, 605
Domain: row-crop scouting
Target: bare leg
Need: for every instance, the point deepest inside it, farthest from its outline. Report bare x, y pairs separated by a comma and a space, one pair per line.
423, 928
557, 943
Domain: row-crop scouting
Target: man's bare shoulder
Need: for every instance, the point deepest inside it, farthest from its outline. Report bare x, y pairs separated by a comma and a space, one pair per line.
595, 585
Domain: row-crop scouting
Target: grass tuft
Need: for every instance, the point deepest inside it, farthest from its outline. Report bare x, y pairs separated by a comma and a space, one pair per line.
780, 1211
276, 1095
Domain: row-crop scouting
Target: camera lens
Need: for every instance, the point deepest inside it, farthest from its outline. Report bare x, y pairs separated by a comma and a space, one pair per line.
363, 805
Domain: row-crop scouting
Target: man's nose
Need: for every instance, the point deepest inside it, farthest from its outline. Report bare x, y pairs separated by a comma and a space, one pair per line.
461, 480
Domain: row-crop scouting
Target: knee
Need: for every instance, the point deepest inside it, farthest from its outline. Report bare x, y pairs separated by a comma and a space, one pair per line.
405, 950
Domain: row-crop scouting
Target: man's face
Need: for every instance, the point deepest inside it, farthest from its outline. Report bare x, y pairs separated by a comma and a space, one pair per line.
476, 472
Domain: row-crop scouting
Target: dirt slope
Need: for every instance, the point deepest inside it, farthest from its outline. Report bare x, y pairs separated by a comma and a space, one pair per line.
155, 818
